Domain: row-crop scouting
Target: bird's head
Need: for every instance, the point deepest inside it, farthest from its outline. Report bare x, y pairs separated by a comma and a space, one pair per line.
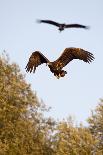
49, 64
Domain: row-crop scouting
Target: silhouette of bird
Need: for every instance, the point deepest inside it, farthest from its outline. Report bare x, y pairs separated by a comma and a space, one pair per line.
63, 26
37, 58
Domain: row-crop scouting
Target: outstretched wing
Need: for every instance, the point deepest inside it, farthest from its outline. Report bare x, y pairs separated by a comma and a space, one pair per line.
36, 59
73, 53
48, 22
76, 26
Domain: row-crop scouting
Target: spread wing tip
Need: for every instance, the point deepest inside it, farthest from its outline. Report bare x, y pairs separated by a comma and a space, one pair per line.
87, 27
30, 69
38, 21
90, 57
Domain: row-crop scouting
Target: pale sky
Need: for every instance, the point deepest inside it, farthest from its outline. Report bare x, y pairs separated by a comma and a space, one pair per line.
80, 90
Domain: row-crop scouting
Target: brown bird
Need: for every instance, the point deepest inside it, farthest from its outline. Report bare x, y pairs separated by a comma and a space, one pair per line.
37, 58
63, 26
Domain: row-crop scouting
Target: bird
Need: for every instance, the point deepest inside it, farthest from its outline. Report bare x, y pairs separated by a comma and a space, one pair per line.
63, 26
56, 67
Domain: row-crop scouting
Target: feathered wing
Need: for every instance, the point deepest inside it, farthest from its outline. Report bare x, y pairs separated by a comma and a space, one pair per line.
49, 22
76, 26
73, 53
36, 59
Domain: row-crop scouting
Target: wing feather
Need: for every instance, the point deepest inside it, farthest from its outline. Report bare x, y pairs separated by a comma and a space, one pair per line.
73, 53
76, 26
49, 22
36, 59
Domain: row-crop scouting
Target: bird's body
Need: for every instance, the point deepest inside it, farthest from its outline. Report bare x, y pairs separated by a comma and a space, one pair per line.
62, 26
37, 58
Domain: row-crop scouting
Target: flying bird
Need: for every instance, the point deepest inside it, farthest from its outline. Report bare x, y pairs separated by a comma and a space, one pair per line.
37, 58
63, 26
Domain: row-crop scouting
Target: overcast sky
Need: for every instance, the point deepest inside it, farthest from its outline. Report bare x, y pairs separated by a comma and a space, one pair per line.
80, 90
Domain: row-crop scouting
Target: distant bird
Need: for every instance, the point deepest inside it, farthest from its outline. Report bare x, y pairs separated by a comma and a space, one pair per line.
63, 26
37, 58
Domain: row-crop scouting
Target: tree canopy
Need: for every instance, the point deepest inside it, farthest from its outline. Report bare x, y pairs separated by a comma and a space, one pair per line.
25, 131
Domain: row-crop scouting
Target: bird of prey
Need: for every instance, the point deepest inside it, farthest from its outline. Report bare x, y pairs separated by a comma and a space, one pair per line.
37, 58
63, 26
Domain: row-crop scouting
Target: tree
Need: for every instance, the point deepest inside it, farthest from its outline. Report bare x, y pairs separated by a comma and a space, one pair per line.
73, 140
21, 116
96, 126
